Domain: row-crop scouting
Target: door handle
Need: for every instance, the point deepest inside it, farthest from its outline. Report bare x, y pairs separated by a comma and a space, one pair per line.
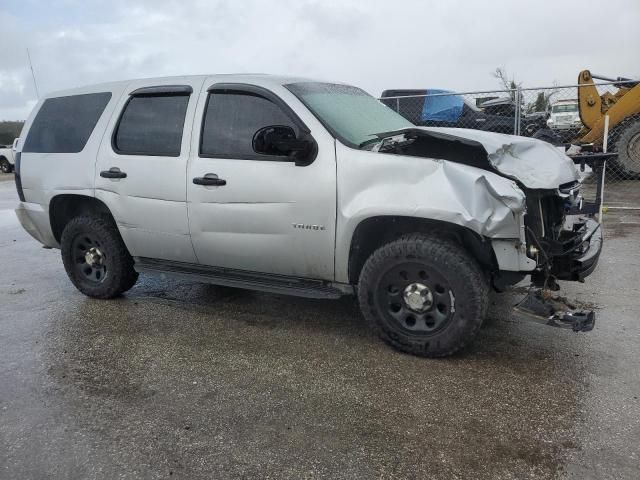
113, 172
210, 179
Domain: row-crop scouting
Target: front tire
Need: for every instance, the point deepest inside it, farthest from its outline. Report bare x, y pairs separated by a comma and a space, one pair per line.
95, 257
423, 295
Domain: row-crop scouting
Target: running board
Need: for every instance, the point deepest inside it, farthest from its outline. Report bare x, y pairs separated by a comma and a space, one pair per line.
281, 284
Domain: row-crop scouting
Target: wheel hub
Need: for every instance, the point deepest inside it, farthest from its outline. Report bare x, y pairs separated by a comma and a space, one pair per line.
418, 297
93, 257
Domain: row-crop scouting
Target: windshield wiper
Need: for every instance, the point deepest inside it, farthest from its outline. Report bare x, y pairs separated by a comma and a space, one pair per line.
383, 137
370, 141
388, 141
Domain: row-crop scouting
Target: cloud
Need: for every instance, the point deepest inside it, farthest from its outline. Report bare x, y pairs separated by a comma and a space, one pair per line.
375, 44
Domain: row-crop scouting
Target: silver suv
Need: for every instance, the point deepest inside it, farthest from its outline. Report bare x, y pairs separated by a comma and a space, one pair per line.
294, 186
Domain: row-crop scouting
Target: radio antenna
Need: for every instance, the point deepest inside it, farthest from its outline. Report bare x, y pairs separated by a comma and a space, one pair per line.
35, 84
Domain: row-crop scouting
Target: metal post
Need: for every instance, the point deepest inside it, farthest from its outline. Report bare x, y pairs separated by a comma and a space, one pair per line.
519, 110
516, 119
604, 172
605, 141
397, 104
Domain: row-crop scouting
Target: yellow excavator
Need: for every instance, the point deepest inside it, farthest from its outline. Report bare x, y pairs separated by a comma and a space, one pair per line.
623, 109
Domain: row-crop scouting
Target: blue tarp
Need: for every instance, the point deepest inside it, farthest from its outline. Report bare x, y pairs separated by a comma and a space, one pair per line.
442, 108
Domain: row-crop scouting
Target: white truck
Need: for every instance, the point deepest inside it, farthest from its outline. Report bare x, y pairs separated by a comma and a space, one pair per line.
564, 115
7, 157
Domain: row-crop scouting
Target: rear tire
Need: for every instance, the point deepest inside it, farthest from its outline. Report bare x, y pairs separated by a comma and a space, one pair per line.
423, 295
626, 143
5, 166
95, 257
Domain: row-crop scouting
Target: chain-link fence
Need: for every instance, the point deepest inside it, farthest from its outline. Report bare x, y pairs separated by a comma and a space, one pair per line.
548, 113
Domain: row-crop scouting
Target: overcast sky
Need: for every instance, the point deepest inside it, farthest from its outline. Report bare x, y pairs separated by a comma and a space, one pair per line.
375, 44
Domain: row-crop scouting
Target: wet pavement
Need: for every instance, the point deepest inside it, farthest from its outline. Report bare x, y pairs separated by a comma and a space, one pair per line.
183, 380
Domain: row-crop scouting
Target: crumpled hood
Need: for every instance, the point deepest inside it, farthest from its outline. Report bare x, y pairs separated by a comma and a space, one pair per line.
536, 164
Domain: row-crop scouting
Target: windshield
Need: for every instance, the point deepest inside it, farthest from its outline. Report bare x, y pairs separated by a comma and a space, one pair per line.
571, 107
349, 113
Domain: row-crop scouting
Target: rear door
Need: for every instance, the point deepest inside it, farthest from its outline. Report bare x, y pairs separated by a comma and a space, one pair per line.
141, 167
270, 215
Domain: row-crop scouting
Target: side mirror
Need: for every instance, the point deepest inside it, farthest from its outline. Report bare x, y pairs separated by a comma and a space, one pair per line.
280, 140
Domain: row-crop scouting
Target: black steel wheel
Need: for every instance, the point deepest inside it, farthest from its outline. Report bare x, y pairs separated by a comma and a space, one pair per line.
424, 295
95, 257
415, 298
90, 260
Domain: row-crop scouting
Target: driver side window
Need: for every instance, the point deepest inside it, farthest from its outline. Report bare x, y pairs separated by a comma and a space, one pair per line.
230, 121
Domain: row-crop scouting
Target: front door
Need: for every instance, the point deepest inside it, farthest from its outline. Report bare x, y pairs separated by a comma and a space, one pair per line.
142, 163
266, 214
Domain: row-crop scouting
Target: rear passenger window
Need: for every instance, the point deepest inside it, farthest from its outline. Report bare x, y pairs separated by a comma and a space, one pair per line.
64, 124
232, 119
151, 125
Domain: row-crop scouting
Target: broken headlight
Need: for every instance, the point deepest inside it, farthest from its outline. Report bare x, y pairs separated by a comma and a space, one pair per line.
570, 193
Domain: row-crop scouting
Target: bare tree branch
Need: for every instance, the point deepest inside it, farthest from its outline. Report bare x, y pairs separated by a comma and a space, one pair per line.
503, 77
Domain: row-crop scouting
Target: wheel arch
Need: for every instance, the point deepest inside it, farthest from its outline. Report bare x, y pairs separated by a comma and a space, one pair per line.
64, 207
373, 232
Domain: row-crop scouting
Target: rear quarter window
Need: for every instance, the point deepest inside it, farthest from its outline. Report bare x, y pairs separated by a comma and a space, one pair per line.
64, 124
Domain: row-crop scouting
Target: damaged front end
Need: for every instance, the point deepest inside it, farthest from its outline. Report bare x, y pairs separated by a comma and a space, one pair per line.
564, 240
560, 238
560, 233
